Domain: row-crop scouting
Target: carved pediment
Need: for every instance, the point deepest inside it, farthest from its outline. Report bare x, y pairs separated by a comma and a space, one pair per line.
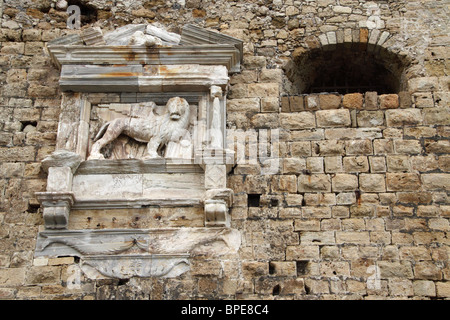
141, 44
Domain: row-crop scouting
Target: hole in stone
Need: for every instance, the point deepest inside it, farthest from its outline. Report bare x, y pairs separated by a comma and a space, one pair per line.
271, 268
28, 126
123, 282
274, 202
276, 290
307, 289
253, 200
45, 8
88, 12
302, 267
33, 208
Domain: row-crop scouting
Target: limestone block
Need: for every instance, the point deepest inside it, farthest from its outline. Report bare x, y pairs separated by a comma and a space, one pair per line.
300, 120
353, 133
316, 212
333, 164
377, 164
329, 101
333, 118
284, 103
371, 100
300, 135
312, 102
329, 148
345, 198
399, 287
352, 237
443, 289
403, 117
424, 288
427, 270
317, 238
296, 103
342, 9
300, 148
370, 118
286, 183
314, 183
344, 182
270, 104
307, 225
436, 181
405, 182
353, 101
307, 252
314, 164
423, 84
263, 90
358, 147
243, 105
293, 165
372, 183
389, 101
407, 146
436, 116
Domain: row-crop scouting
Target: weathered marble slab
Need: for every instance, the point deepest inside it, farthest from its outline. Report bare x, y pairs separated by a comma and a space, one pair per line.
191, 241
214, 54
125, 267
137, 78
129, 166
110, 188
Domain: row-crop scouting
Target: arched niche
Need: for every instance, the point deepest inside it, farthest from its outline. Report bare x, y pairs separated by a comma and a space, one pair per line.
347, 67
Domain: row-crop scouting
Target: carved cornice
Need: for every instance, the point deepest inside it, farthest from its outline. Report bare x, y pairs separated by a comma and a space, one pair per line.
211, 54
138, 78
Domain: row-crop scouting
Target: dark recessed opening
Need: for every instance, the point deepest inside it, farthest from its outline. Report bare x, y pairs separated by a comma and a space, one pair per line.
276, 290
253, 200
271, 268
88, 12
28, 124
123, 282
274, 202
33, 208
302, 267
346, 69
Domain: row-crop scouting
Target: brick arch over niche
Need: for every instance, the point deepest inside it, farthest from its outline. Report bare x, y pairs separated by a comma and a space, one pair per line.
348, 61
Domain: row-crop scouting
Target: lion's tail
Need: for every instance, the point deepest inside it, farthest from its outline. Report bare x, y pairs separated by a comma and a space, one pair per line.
102, 130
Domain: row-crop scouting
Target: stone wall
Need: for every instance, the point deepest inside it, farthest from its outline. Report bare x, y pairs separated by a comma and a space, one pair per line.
359, 205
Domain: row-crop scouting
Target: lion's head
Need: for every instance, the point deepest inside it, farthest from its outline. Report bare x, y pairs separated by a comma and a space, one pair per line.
178, 108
